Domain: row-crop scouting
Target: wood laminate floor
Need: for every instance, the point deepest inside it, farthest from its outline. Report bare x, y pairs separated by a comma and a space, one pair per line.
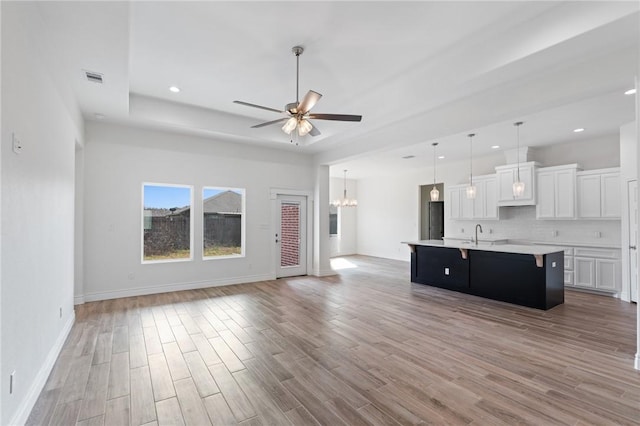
363, 347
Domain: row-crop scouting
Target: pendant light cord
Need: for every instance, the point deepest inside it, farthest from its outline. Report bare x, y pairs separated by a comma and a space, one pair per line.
471, 135
434, 162
345, 186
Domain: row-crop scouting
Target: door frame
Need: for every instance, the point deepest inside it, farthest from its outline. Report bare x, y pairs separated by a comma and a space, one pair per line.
629, 262
274, 193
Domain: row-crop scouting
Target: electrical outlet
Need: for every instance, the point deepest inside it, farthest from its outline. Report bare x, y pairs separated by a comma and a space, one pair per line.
12, 379
17, 145
446, 271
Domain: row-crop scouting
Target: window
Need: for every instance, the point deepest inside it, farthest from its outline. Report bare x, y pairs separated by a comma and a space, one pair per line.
223, 222
333, 220
166, 220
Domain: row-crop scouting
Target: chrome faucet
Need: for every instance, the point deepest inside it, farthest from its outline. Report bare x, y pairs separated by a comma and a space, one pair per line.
478, 226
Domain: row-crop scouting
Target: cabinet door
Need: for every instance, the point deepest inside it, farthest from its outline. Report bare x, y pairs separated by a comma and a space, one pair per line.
584, 270
610, 195
454, 203
607, 274
565, 186
479, 201
589, 196
526, 176
546, 209
490, 199
466, 204
568, 278
505, 185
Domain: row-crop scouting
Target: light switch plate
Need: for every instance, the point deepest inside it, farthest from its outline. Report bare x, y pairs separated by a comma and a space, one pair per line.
446, 271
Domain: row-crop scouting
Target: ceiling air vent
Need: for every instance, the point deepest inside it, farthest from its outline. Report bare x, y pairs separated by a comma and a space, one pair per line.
94, 77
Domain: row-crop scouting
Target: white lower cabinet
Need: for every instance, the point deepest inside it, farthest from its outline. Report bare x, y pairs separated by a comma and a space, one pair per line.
585, 272
597, 268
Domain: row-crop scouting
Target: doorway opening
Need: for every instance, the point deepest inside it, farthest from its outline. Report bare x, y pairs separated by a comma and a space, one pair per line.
431, 213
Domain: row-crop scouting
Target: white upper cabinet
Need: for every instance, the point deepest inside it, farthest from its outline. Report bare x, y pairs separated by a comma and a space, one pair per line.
506, 176
556, 192
484, 206
599, 194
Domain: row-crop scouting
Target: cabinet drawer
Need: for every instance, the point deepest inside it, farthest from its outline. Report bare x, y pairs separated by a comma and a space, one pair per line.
600, 253
568, 263
568, 277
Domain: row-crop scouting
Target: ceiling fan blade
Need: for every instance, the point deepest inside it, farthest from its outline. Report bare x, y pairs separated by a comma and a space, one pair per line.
308, 101
336, 117
268, 123
314, 130
257, 106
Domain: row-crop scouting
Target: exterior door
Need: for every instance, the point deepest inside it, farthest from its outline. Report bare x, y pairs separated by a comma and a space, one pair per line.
291, 236
632, 188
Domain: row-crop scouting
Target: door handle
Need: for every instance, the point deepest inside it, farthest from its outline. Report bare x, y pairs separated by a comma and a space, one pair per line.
632, 247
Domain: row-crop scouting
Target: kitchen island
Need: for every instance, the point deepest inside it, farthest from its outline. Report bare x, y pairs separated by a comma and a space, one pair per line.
530, 276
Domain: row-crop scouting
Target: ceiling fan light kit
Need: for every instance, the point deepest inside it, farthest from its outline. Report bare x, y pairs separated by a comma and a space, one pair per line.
297, 112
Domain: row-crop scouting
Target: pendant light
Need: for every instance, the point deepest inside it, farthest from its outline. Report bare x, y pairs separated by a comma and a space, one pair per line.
345, 202
518, 185
471, 189
435, 194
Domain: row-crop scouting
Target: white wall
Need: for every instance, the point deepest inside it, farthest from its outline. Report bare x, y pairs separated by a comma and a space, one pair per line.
119, 159
388, 210
37, 213
345, 242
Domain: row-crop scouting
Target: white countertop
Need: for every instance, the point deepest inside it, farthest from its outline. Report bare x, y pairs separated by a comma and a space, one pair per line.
536, 250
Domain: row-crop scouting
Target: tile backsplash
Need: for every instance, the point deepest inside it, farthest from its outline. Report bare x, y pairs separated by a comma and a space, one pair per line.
520, 223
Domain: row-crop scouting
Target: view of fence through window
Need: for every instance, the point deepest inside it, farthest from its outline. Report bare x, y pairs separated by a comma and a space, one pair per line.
222, 210
167, 222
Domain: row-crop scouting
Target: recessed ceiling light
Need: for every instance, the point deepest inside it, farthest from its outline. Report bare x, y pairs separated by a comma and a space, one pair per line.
495, 146
441, 157
630, 92
578, 130
407, 157
174, 89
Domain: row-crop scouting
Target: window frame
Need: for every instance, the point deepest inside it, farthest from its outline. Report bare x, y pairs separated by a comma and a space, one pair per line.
191, 227
243, 222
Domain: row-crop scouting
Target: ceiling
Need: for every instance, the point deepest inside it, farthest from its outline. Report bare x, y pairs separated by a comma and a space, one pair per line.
418, 72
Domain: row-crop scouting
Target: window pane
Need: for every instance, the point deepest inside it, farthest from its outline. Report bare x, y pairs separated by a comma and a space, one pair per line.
290, 235
166, 222
223, 217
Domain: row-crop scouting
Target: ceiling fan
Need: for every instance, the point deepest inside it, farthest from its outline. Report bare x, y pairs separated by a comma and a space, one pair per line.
297, 113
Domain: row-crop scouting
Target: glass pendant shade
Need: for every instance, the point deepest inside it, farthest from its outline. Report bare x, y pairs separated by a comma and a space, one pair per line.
290, 125
471, 191
435, 194
518, 188
304, 127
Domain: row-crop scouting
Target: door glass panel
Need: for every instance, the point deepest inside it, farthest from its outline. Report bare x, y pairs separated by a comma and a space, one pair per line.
290, 235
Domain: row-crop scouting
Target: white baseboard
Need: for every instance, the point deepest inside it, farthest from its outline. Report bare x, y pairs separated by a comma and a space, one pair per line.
24, 408
324, 272
166, 288
78, 300
636, 364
